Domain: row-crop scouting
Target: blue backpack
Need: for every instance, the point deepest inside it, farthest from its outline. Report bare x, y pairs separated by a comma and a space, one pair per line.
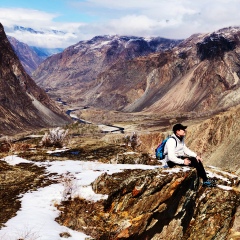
160, 149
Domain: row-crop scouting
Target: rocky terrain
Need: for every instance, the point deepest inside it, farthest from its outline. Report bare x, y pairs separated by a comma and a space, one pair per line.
23, 105
161, 203
155, 204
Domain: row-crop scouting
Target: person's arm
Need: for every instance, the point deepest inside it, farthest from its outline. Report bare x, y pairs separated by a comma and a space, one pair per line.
171, 147
189, 152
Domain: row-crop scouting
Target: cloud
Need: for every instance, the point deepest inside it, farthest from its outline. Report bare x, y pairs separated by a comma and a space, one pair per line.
30, 17
176, 19
55, 34
166, 18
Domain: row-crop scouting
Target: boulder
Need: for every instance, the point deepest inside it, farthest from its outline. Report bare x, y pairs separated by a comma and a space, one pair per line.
157, 204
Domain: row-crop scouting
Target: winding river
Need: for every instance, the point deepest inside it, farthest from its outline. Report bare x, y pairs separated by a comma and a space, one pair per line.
104, 128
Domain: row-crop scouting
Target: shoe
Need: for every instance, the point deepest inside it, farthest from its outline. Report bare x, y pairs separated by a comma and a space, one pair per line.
209, 183
211, 180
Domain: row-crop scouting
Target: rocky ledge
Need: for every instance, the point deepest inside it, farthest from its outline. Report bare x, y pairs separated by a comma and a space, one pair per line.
158, 204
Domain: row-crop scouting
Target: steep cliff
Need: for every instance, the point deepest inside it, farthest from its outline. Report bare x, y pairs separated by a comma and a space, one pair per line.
23, 105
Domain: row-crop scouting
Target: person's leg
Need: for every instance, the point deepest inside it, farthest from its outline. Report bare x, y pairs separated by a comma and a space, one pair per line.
199, 166
171, 164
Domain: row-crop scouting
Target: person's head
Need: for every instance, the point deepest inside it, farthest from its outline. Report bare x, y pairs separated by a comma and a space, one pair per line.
179, 130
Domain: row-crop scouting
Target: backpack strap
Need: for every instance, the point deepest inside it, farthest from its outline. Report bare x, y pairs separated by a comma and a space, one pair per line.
174, 139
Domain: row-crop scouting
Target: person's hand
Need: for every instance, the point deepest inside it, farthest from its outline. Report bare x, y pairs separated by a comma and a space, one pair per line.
187, 161
199, 158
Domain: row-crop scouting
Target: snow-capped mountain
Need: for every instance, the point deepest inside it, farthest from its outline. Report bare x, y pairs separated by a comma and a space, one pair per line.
31, 30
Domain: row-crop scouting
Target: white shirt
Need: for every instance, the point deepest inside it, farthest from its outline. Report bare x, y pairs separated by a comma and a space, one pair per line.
173, 152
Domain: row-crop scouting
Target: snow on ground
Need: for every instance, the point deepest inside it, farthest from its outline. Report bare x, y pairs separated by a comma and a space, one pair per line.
35, 219
107, 128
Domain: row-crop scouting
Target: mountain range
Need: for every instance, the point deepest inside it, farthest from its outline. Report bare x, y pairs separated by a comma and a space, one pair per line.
199, 74
76, 71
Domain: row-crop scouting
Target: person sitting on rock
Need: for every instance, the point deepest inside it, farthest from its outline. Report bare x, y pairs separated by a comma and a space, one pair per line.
177, 153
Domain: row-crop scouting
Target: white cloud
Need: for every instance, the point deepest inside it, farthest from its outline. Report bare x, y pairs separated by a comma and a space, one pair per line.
166, 18
41, 22
21, 16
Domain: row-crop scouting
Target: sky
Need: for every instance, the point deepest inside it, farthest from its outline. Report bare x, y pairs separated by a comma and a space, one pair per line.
36, 217
77, 20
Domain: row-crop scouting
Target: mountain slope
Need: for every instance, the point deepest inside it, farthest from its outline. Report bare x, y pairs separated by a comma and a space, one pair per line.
75, 70
29, 58
199, 75
23, 105
217, 140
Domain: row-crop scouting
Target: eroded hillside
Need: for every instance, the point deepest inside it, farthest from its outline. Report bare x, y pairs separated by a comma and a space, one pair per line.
186, 79
200, 75
70, 74
23, 105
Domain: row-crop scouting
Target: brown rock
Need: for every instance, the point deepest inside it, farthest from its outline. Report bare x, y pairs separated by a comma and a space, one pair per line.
155, 204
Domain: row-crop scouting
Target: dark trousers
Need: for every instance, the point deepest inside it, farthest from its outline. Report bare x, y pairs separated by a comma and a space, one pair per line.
194, 163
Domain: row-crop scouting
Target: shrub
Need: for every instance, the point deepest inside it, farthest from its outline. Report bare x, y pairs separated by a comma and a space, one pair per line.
54, 137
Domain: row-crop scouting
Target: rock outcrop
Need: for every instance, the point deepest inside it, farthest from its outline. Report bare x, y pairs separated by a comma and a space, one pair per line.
214, 46
157, 204
23, 105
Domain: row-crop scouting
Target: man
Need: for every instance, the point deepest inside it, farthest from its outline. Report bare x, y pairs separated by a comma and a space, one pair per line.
177, 153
